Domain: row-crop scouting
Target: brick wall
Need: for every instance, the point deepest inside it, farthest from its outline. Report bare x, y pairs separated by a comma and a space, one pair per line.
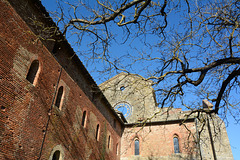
156, 141
25, 108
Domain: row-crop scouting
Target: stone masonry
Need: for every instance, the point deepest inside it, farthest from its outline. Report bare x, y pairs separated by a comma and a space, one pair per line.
155, 128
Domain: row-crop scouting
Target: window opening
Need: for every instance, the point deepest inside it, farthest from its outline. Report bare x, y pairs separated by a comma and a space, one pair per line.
97, 132
136, 147
117, 149
84, 118
32, 72
59, 97
109, 139
56, 155
122, 88
125, 108
176, 145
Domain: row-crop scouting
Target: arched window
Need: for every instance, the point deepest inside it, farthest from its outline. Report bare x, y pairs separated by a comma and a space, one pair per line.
125, 108
136, 144
32, 72
97, 133
109, 141
56, 155
176, 145
59, 97
84, 118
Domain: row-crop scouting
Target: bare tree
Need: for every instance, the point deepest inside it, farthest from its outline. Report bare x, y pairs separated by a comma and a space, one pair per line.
188, 48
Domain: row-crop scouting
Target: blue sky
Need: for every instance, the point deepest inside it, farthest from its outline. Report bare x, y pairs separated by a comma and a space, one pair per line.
233, 129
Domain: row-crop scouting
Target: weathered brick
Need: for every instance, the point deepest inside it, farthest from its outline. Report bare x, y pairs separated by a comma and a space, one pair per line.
25, 108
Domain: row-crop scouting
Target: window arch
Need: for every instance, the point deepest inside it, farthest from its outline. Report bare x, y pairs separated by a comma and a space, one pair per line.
125, 108
109, 141
136, 146
176, 144
59, 97
32, 72
97, 132
84, 117
56, 155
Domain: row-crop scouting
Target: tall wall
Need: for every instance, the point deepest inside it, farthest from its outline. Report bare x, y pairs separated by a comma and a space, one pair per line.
132, 90
214, 142
28, 112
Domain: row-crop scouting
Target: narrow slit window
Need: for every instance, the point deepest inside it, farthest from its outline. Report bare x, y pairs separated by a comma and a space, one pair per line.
32, 72
109, 141
97, 132
136, 143
176, 145
59, 97
56, 155
117, 149
84, 118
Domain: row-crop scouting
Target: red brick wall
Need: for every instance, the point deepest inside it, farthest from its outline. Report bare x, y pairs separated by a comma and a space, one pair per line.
25, 107
156, 141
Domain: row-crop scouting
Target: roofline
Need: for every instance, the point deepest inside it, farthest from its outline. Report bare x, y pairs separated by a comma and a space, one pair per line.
160, 122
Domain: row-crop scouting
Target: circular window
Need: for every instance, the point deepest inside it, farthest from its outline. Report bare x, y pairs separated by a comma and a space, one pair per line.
125, 108
122, 88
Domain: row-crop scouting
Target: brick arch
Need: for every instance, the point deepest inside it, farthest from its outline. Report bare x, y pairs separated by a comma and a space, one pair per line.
85, 114
33, 71
64, 96
60, 97
132, 144
179, 137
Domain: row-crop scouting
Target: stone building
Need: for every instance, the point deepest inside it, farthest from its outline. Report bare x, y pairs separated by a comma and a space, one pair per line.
163, 133
52, 109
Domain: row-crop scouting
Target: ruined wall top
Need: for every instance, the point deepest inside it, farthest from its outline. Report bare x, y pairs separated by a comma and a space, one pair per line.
130, 94
135, 97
